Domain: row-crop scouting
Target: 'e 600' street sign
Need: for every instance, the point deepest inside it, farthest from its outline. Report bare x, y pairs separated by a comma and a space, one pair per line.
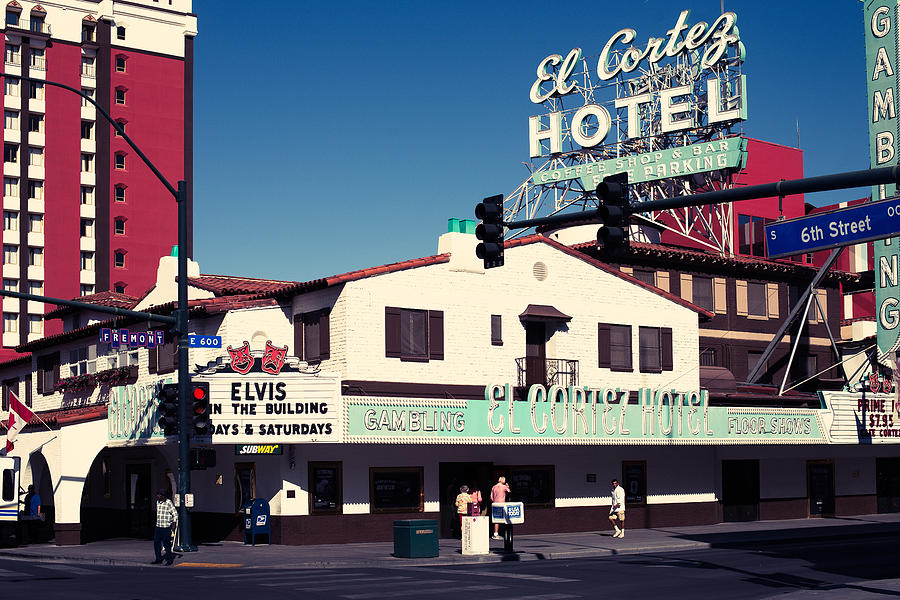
863, 223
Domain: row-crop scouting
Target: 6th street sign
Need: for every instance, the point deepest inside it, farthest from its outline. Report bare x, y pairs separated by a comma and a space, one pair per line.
863, 223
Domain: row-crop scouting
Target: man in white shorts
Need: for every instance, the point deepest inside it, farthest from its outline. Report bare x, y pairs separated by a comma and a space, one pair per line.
617, 509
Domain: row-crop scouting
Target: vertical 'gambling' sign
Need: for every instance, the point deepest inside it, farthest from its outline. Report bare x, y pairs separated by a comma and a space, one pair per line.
881, 74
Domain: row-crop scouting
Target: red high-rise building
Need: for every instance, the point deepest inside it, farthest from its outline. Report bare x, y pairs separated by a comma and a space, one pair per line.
82, 214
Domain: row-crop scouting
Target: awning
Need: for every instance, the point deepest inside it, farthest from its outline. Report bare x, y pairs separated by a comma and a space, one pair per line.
542, 312
718, 380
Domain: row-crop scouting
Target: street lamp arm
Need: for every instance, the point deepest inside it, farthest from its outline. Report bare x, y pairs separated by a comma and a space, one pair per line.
112, 122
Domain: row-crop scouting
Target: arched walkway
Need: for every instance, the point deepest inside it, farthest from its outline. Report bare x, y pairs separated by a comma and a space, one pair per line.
118, 497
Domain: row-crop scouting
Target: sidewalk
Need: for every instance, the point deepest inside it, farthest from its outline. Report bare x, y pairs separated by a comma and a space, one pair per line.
130, 552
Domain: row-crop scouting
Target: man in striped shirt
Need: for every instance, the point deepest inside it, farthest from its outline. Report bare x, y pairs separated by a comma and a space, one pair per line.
166, 521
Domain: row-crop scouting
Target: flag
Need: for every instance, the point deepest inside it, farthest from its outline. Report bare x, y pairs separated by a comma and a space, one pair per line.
19, 416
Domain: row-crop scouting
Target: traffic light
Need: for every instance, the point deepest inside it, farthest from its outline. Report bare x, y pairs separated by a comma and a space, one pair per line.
490, 232
168, 408
200, 408
202, 458
614, 212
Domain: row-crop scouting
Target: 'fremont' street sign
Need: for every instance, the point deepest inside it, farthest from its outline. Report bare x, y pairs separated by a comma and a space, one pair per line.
863, 223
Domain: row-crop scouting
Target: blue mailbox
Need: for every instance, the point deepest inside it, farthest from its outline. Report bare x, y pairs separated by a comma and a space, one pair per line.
257, 521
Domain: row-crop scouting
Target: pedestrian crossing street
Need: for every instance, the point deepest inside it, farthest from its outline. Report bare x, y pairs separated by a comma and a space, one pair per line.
402, 583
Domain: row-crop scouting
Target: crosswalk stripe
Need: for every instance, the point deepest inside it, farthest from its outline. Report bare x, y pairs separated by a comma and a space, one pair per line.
71, 569
422, 592
294, 581
539, 597
527, 576
333, 587
255, 574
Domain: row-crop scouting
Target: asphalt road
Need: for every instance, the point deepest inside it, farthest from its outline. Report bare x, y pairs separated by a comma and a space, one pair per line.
845, 569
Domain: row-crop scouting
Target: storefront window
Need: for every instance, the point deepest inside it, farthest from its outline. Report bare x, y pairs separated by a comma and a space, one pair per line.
325, 490
634, 480
535, 486
396, 489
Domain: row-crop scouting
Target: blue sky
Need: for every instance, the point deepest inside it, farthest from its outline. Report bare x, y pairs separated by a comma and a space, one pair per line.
335, 136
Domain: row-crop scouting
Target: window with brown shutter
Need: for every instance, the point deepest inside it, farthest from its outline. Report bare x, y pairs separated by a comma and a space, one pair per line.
665, 349
413, 334
312, 339
655, 349
48, 373
9, 385
496, 330
162, 359
436, 335
614, 347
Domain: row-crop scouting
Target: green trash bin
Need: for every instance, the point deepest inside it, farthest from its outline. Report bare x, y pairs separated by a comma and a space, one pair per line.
416, 538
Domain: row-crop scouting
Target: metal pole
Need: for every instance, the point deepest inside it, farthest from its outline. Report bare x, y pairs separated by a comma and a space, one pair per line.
184, 376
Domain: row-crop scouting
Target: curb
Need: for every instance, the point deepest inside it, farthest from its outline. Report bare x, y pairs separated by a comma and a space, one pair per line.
451, 558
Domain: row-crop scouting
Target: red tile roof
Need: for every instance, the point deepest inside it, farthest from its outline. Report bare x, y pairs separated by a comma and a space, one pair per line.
101, 298
227, 285
206, 306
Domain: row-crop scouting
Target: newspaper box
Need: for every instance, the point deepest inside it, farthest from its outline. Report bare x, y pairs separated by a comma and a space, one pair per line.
509, 513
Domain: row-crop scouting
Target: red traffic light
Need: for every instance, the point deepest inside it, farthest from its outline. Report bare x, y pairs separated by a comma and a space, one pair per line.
199, 393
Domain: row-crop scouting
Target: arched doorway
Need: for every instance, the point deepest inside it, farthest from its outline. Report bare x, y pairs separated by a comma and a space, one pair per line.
118, 497
37, 473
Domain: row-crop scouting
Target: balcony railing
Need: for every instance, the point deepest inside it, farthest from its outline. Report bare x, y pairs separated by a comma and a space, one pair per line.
547, 371
33, 25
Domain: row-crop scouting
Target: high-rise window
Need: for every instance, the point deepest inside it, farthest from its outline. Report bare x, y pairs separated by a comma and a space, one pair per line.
87, 130
13, 54
35, 324
10, 220
10, 255
36, 91
120, 193
36, 287
35, 156
119, 257
37, 59
35, 123
35, 257
87, 163
35, 223
10, 322
12, 18
35, 190
86, 289
120, 33
121, 124
120, 63
87, 261
119, 225
87, 228
37, 23
89, 93
11, 187
120, 161
10, 153
87, 194
120, 95
11, 119
87, 66
88, 32
10, 285
11, 87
